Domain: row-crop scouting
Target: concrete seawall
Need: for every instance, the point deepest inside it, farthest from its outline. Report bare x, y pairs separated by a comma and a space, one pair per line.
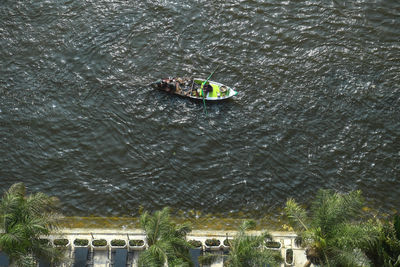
107, 254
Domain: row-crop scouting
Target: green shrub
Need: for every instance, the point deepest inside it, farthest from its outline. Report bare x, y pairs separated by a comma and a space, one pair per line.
60, 242
44, 241
213, 242
136, 243
118, 242
99, 243
272, 244
289, 256
81, 242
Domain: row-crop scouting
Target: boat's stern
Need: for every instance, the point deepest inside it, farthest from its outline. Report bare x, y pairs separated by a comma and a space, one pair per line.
156, 84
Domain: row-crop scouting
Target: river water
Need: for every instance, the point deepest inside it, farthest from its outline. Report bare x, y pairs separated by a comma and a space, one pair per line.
318, 103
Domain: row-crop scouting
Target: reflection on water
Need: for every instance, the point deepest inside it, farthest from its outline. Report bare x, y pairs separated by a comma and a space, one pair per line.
318, 103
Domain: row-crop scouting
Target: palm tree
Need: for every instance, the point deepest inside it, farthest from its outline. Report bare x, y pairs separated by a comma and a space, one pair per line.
385, 251
247, 250
332, 233
166, 240
23, 221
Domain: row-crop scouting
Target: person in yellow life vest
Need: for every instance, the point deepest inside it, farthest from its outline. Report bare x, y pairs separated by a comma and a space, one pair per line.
213, 91
204, 88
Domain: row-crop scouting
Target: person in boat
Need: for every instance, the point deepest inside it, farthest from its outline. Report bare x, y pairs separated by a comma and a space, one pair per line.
168, 85
207, 88
172, 85
178, 84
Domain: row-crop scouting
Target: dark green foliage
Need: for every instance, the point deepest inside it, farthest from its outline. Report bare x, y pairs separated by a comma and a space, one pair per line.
167, 241
195, 243
332, 231
118, 242
246, 250
81, 242
272, 244
44, 241
289, 256
60, 242
396, 226
99, 243
385, 251
213, 242
23, 220
136, 243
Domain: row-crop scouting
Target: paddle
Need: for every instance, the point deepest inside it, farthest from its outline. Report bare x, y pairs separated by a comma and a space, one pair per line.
202, 92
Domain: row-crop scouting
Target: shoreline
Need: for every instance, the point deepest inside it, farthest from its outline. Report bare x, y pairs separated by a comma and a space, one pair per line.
201, 223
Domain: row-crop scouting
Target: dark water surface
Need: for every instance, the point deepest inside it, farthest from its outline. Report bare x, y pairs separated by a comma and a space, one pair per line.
318, 104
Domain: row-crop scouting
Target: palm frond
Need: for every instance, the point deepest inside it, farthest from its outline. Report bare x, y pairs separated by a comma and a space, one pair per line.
396, 226
347, 235
153, 256
296, 214
17, 189
23, 260
177, 262
266, 235
397, 263
182, 230
348, 257
267, 257
11, 208
41, 203
48, 252
166, 240
385, 251
246, 250
247, 225
332, 233
331, 208
24, 219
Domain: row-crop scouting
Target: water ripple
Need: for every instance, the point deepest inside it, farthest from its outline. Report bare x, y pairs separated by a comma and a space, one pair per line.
318, 103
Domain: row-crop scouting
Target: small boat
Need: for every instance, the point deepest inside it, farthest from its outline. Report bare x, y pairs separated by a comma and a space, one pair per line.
193, 88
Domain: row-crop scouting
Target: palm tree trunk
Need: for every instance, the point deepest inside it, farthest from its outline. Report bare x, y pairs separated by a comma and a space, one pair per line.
307, 264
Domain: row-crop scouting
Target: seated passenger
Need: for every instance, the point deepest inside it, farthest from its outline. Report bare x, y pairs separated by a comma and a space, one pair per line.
167, 85
207, 88
171, 87
178, 85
